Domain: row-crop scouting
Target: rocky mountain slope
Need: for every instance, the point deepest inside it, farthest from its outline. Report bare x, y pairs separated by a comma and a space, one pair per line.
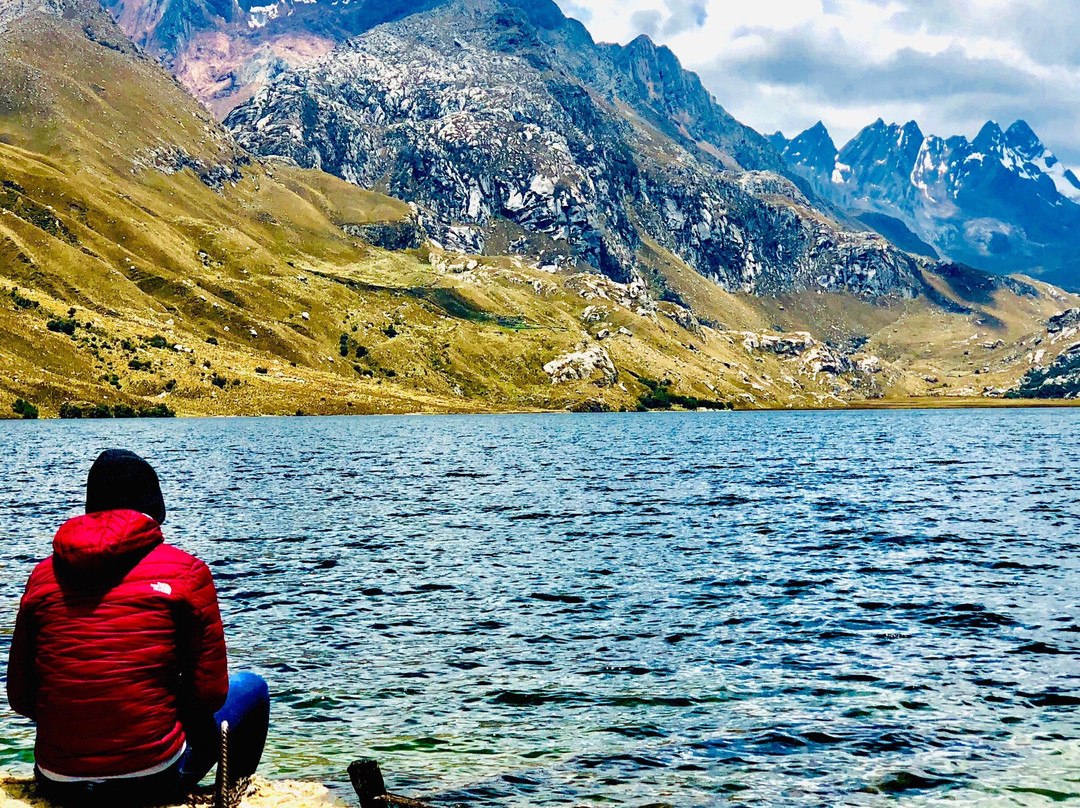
148, 263
222, 50
1002, 202
512, 131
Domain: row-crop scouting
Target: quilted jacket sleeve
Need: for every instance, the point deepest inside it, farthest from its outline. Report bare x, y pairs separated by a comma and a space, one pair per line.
206, 671
21, 673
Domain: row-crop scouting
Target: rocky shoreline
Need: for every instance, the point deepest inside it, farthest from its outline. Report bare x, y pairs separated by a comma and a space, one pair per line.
259, 792
18, 792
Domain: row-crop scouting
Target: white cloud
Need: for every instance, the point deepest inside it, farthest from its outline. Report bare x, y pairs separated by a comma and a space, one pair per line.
949, 64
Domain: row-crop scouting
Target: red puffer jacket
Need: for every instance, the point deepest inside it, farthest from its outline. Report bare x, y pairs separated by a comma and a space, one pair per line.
118, 635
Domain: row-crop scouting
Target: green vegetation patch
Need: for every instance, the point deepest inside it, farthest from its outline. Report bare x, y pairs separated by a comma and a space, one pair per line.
658, 396
25, 410
457, 305
62, 325
69, 410
450, 301
22, 302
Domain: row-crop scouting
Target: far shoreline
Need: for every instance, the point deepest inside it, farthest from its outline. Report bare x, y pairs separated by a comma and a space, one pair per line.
926, 403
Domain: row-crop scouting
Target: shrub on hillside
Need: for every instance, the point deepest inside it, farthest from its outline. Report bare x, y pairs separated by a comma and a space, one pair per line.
157, 411
72, 411
22, 302
658, 396
62, 325
24, 409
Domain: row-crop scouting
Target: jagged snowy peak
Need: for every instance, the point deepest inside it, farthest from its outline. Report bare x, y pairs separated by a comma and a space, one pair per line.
934, 174
884, 142
1001, 201
882, 149
1035, 158
813, 149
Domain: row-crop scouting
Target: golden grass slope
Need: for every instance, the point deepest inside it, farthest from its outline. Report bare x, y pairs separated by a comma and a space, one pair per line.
190, 276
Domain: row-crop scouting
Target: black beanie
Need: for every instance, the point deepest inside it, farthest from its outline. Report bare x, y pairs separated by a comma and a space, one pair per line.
121, 480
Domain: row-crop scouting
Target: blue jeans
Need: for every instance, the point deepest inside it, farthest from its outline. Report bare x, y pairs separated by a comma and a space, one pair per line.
247, 709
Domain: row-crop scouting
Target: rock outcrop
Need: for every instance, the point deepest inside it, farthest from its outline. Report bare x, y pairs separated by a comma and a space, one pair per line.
1060, 379
588, 362
812, 355
1064, 321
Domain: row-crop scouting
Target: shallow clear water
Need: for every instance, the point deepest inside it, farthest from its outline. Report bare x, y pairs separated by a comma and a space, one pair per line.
781, 609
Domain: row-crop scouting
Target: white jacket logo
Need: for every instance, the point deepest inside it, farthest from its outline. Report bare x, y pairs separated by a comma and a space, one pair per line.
164, 589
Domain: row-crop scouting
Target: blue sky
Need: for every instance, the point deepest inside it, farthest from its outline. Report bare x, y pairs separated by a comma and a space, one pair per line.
951, 65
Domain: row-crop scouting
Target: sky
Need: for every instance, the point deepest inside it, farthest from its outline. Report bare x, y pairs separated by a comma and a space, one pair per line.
950, 65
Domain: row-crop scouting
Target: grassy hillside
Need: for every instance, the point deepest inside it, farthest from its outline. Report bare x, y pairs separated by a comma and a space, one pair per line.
146, 262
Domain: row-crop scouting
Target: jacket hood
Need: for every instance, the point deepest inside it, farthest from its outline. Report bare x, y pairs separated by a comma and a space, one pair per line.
100, 541
121, 480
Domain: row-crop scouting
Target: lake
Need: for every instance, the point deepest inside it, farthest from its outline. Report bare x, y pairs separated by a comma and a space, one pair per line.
777, 609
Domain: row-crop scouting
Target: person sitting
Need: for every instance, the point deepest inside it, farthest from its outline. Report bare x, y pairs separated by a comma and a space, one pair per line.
119, 656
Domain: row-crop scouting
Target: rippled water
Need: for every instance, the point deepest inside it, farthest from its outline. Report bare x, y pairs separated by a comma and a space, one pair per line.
812, 609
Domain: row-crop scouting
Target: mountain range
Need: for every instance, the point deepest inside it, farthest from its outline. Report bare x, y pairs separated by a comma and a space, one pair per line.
1001, 202
467, 205
511, 129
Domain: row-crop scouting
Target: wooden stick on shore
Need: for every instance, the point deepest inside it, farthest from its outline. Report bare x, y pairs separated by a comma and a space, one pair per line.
366, 778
